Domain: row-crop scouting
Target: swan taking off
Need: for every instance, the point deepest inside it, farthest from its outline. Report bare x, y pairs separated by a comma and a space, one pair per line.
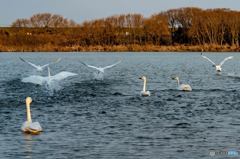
39, 67
144, 92
182, 87
28, 126
218, 66
101, 69
40, 80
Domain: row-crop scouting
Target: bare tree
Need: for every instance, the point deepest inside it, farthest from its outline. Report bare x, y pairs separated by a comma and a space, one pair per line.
45, 20
21, 23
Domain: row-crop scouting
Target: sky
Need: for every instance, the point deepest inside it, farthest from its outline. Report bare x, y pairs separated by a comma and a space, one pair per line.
84, 10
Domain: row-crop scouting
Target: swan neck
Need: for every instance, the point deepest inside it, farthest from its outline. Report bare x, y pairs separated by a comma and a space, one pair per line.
144, 85
29, 118
178, 82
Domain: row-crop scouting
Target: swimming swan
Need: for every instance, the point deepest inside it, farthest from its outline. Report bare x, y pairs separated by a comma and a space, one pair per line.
219, 66
40, 80
101, 69
28, 126
182, 87
144, 92
38, 67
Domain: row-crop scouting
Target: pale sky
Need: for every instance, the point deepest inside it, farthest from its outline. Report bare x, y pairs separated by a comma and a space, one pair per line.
81, 10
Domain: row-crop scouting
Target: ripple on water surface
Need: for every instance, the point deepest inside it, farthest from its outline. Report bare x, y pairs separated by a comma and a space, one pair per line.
88, 118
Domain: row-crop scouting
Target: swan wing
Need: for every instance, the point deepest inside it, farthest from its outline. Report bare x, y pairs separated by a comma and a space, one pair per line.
208, 59
35, 126
185, 87
25, 125
33, 65
30, 127
110, 66
35, 79
228, 58
43, 66
58, 60
62, 75
90, 66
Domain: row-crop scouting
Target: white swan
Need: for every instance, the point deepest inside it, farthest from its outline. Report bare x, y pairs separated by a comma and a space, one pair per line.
101, 69
182, 87
39, 67
144, 92
40, 80
29, 126
218, 66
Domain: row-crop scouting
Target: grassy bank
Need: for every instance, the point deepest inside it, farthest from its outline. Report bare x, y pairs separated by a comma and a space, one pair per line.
72, 40
120, 48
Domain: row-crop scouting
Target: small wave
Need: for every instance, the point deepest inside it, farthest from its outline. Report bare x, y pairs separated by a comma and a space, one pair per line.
233, 75
136, 98
171, 99
210, 90
117, 94
141, 137
182, 125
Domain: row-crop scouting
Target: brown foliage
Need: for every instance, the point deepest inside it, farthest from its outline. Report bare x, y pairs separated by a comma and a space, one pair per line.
217, 28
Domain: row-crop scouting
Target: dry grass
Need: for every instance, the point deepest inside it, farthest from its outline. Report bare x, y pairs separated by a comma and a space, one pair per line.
120, 48
69, 40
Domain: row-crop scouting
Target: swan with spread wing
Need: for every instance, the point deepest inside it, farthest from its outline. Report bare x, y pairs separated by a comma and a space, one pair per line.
39, 67
40, 80
218, 66
99, 75
101, 69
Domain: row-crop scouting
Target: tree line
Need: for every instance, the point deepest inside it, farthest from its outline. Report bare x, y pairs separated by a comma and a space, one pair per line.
187, 26
43, 20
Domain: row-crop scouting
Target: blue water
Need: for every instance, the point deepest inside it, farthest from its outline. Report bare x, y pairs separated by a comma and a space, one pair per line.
94, 119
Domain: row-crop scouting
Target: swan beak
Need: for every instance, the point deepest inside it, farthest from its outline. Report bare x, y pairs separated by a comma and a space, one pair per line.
28, 101
140, 78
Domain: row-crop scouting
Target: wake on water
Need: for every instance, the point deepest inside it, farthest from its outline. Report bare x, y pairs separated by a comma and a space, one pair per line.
98, 75
234, 75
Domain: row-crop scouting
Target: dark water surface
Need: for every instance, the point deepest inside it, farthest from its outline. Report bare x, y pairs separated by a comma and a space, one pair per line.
108, 119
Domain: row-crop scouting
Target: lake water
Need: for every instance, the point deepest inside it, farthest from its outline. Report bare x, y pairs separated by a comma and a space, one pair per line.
94, 119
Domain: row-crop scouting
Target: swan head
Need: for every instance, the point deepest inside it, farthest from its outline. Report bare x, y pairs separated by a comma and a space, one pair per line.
143, 78
175, 78
28, 101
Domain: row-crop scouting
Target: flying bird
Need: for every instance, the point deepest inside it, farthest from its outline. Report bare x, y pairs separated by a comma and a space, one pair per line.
218, 66
40, 80
39, 67
101, 69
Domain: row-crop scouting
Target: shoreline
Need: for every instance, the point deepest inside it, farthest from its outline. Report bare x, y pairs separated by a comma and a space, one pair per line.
122, 48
